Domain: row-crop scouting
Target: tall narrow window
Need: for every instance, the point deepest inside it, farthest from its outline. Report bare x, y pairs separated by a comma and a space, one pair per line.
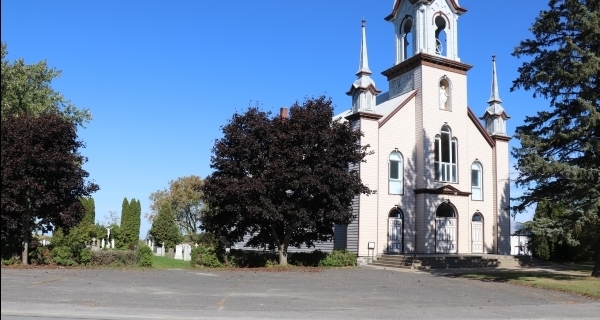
407, 40
440, 36
396, 172
446, 156
476, 181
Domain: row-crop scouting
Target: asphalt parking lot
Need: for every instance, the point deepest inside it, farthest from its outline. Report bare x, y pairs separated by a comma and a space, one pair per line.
352, 293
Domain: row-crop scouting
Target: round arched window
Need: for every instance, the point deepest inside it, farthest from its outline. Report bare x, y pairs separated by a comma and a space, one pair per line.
396, 213
445, 210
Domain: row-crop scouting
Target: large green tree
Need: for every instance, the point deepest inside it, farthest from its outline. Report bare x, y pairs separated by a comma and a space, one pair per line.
164, 228
26, 89
559, 157
131, 212
284, 181
42, 177
184, 195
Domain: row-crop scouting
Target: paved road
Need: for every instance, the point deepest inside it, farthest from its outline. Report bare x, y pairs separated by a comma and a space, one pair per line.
356, 293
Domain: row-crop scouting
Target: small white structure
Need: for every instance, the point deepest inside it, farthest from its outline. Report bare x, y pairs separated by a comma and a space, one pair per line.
519, 245
187, 252
179, 252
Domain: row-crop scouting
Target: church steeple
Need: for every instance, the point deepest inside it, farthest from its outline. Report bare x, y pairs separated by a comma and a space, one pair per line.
363, 90
495, 117
363, 65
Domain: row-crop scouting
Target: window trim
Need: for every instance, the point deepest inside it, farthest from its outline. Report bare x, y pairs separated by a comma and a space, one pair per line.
480, 187
400, 178
446, 169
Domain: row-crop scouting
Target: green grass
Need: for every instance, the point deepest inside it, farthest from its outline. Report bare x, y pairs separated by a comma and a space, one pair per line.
584, 285
168, 263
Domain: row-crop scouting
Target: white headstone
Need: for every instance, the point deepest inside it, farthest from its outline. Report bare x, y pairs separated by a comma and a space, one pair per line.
112, 243
179, 252
187, 251
102, 243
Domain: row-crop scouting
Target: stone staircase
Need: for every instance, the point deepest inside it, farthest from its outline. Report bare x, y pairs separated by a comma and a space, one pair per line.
445, 261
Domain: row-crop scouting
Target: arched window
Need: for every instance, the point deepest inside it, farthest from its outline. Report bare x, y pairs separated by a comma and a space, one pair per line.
396, 213
396, 173
445, 210
440, 36
476, 181
477, 217
446, 153
407, 39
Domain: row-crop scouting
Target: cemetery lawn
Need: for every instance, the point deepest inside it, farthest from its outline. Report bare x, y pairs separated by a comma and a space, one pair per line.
168, 263
583, 284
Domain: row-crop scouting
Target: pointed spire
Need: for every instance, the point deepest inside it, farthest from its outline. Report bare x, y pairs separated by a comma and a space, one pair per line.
494, 96
363, 66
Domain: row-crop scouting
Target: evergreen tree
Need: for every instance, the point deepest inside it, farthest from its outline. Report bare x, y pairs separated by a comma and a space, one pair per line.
559, 157
164, 228
90, 210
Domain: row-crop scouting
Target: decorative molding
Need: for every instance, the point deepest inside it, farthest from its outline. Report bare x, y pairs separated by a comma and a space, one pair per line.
480, 127
424, 59
447, 189
391, 16
402, 104
401, 85
363, 115
501, 137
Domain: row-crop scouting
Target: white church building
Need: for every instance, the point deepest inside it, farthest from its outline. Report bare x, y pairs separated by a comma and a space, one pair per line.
440, 170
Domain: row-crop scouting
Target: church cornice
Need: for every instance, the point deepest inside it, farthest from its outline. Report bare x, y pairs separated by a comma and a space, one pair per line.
501, 137
429, 60
480, 127
447, 189
364, 115
391, 16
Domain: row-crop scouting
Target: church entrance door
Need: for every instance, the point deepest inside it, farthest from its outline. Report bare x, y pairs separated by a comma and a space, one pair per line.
445, 240
477, 233
395, 235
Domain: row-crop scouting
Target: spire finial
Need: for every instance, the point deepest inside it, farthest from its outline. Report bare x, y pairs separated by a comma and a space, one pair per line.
494, 95
363, 65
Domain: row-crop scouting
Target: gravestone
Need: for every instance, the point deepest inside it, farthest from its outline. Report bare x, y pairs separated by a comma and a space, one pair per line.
171, 253
187, 252
179, 252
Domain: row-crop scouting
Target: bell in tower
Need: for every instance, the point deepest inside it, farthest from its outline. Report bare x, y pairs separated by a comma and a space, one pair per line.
426, 26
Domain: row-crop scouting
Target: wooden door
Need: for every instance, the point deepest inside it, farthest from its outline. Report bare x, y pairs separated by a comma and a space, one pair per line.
477, 236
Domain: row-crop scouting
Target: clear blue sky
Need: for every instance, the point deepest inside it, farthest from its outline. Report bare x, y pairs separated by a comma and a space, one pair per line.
161, 77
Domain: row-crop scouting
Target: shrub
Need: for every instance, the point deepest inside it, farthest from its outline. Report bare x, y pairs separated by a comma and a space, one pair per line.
307, 259
114, 258
250, 259
63, 256
205, 257
13, 260
41, 255
85, 256
339, 258
144, 255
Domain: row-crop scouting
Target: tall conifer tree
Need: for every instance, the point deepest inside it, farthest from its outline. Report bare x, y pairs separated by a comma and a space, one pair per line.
559, 157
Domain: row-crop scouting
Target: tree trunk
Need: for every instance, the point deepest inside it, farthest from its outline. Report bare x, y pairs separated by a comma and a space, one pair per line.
596, 271
282, 255
26, 235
